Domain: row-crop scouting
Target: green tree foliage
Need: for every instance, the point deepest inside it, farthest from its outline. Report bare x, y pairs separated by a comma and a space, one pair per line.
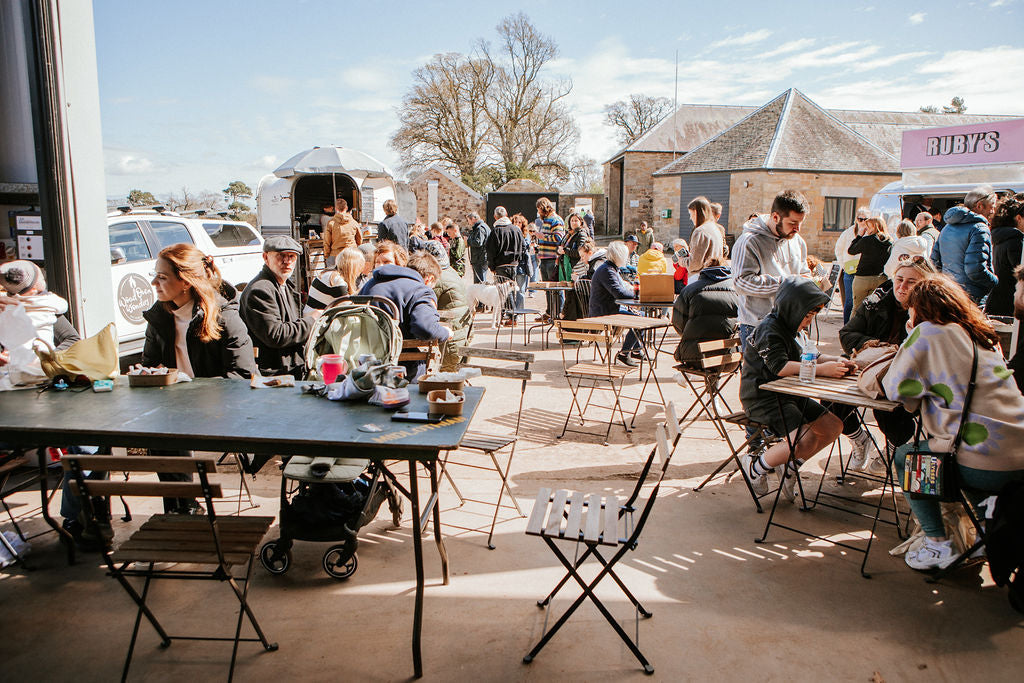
236, 190
141, 198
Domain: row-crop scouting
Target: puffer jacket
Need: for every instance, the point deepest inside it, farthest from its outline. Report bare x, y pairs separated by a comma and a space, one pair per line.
451, 296
964, 252
229, 356
879, 317
704, 311
1006, 248
774, 343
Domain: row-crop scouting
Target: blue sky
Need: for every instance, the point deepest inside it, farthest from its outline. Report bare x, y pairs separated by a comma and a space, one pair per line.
198, 93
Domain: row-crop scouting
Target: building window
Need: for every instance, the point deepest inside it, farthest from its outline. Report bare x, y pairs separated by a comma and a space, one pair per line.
839, 213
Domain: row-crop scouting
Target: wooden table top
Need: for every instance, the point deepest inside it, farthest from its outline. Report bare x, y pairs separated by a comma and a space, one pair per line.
645, 304
838, 390
551, 285
626, 321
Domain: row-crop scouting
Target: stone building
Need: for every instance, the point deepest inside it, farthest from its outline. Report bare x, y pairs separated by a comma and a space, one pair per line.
636, 193
788, 143
439, 194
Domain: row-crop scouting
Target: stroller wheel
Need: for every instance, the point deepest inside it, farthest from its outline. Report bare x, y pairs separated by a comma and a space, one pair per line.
340, 562
275, 560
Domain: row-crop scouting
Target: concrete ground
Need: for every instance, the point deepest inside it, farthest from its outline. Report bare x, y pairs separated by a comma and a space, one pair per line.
725, 607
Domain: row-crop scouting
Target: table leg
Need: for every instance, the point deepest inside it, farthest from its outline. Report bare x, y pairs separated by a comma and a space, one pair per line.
417, 545
65, 537
432, 467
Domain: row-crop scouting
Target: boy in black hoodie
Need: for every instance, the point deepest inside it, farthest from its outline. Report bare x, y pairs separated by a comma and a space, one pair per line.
773, 352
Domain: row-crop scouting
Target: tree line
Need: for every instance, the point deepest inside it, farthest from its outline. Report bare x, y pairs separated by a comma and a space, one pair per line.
229, 199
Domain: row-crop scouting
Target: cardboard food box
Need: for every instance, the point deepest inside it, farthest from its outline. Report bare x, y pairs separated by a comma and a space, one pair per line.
657, 288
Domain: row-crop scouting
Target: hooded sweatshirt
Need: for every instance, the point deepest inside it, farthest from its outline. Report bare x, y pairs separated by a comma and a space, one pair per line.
417, 304
653, 262
761, 260
776, 341
964, 251
1006, 248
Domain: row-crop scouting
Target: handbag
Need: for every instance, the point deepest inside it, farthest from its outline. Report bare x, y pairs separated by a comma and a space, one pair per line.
877, 359
931, 475
94, 357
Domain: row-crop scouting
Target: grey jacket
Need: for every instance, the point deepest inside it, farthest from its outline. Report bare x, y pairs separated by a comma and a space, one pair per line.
761, 260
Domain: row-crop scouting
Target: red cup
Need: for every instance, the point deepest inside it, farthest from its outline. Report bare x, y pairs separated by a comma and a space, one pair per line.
331, 365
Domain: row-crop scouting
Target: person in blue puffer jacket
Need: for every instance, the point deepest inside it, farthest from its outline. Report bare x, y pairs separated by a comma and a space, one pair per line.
964, 248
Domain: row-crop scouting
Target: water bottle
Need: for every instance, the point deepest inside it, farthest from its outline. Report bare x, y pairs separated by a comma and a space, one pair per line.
808, 362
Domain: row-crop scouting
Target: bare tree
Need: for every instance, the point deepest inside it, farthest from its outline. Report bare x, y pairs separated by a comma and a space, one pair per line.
187, 200
585, 176
441, 120
636, 116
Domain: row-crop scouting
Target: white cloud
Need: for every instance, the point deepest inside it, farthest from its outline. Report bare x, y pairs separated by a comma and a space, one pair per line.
791, 46
917, 17
129, 164
998, 3
748, 38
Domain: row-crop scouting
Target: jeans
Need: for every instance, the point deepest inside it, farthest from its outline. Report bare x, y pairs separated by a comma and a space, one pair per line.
745, 332
522, 279
977, 485
847, 296
534, 268
479, 272
70, 504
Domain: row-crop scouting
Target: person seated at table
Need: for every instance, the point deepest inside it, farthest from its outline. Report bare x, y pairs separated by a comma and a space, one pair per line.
369, 253
772, 352
335, 282
25, 283
450, 290
410, 289
194, 326
907, 244
704, 311
389, 253
272, 311
654, 262
606, 286
930, 374
881, 320
1017, 355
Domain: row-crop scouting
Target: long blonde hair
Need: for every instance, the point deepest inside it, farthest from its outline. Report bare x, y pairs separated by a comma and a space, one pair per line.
350, 266
201, 273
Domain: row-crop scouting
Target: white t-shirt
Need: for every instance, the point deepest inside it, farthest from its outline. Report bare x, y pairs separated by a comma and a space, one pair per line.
182, 318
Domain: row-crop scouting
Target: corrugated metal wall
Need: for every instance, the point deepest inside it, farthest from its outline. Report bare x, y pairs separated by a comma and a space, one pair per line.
714, 186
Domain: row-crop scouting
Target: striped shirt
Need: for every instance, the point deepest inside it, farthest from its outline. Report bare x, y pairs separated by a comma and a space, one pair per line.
325, 288
550, 236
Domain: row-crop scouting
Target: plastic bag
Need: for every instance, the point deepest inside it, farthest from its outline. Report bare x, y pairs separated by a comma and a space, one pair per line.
16, 334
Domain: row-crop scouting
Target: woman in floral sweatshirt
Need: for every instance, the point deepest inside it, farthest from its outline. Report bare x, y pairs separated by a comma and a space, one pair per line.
931, 373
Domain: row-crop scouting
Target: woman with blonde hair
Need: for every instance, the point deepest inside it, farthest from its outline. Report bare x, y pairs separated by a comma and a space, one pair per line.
341, 232
335, 282
931, 373
874, 246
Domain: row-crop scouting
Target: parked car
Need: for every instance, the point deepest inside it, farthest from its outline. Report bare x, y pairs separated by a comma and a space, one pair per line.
138, 235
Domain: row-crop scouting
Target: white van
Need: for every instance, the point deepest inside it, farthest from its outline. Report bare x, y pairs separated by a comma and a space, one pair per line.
138, 235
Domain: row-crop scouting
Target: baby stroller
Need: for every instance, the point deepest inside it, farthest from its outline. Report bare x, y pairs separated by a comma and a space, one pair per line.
329, 499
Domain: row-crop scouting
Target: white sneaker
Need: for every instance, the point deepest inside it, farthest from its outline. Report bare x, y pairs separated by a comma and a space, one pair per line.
859, 452
787, 481
876, 466
759, 484
931, 555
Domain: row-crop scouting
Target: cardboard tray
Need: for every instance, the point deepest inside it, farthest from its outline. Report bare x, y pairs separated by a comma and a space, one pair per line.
445, 408
426, 386
153, 380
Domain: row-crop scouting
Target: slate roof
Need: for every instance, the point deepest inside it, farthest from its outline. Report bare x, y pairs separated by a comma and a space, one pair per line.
523, 185
789, 133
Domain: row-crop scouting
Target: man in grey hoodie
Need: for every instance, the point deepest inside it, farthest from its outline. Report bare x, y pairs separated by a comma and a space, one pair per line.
769, 250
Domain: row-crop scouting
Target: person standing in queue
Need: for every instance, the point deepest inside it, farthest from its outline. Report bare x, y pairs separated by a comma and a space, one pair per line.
393, 228
194, 326
272, 311
478, 234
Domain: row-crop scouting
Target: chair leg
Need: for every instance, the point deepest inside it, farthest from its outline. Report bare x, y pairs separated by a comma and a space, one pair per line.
448, 476
501, 492
165, 640
243, 599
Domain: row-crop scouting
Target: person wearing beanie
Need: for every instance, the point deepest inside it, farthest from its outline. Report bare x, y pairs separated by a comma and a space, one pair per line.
25, 282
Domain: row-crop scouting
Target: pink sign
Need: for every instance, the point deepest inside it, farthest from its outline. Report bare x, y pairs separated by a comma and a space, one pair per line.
996, 142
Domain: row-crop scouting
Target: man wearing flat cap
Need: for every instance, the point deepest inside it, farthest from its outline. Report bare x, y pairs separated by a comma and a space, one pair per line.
272, 310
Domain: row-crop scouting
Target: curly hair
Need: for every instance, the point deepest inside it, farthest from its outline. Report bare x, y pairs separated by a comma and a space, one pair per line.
1007, 209
939, 299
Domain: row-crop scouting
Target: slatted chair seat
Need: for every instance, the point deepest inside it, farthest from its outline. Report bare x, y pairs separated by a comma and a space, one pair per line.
598, 371
479, 441
576, 516
220, 543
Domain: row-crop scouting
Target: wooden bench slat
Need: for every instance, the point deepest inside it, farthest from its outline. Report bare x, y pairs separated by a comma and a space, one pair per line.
138, 463
507, 373
555, 515
158, 522
610, 535
164, 489
540, 506
194, 545
185, 535
178, 556
494, 354
592, 526
718, 344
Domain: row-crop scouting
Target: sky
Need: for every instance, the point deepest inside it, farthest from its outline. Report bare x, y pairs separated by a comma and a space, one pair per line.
196, 93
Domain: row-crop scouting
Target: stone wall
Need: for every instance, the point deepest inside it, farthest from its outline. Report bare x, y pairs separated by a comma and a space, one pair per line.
637, 186
452, 200
753, 192
666, 196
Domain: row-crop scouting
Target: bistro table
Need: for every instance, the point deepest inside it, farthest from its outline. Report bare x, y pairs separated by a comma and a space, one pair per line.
650, 309
227, 415
551, 291
836, 390
639, 325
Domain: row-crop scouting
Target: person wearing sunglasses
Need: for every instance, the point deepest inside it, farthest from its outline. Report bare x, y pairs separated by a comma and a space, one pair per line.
849, 261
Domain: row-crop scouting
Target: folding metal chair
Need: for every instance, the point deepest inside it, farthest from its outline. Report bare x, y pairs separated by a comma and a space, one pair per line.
597, 520
218, 543
492, 443
719, 363
834, 276
510, 310
590, 376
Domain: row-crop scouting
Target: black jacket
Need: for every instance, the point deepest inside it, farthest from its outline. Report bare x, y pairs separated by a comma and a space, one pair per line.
704, 311
394, 229
477, 242
874, 252
572, 244
504, 244
773, 343
1006, 249
276, 325
879, 317
229, 356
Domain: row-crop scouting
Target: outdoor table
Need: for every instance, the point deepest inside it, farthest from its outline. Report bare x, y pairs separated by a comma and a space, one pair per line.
639, 325
551, 291
649, 309
227, 415
836, 390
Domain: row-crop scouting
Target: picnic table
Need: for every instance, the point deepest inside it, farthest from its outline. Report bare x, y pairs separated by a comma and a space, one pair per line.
216, 414
842, 390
